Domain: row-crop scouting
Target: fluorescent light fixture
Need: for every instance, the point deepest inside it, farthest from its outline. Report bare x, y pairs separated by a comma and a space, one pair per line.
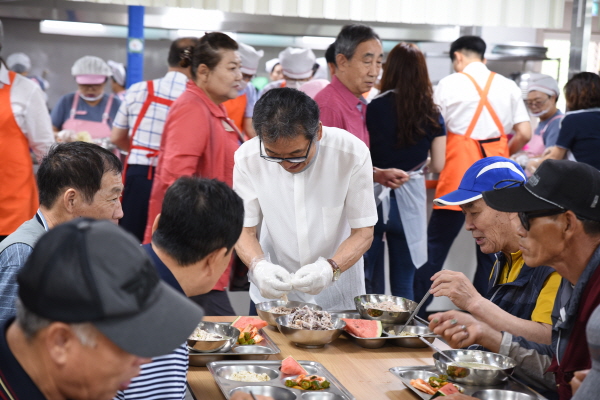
72, 28
194, 19
315, 42
199, 33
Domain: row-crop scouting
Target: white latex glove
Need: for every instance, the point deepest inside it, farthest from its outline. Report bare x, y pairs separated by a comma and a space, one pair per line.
272, 280
313, 278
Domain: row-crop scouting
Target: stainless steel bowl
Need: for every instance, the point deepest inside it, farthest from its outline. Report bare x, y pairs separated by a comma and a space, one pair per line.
311, 339
410, 341
471, 376
227, 372
497, 394
386, 317
275, 392
210, 346
263, 309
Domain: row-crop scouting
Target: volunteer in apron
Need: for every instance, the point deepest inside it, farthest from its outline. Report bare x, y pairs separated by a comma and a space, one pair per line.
309, 205
480, 108
89, 109
118, 79
241, 108
404, 126
273, 68
297, 68
23, 125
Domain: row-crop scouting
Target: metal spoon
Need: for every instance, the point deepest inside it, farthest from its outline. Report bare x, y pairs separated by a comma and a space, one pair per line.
415, 311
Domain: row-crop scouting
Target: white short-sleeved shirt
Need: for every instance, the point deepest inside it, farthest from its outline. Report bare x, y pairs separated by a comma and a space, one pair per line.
308, 215
149, 133
457, 97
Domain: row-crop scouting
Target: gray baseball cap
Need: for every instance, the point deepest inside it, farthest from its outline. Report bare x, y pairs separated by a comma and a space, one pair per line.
93, 271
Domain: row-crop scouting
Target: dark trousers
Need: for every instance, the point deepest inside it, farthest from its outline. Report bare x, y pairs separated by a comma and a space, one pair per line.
444, 226
215, 302
136, 197
401, 267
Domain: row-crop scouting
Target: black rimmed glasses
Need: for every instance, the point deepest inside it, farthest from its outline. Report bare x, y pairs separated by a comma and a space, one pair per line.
526, 216
294, 160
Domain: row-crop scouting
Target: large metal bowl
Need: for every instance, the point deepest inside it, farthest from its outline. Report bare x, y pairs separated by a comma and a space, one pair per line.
386, 317
471, 376
410, 341
497, 394
311, 339
211, 346
263, 309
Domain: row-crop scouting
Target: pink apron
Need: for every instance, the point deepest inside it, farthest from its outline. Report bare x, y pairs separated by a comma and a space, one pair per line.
97, 130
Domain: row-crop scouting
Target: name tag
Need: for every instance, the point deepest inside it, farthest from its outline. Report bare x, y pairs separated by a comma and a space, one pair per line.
227, 126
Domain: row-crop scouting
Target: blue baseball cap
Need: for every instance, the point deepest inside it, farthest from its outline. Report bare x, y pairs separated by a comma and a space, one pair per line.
482, 177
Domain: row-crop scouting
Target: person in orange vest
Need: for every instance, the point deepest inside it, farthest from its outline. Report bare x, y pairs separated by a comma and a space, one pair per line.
138, 128
297, 65
241, 108
24, 124
480, 108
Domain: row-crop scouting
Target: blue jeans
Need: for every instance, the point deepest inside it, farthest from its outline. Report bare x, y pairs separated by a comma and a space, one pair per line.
444, 226
402, 269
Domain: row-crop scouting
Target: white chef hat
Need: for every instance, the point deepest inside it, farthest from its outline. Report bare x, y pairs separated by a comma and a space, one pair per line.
18, 62
118, 72
250, 58
272, 63
543, 83
90, 70
322, 72
297, 63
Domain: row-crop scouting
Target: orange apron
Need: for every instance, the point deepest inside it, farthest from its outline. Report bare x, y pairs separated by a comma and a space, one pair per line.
151, 98
462, 151
236, 108
18, 192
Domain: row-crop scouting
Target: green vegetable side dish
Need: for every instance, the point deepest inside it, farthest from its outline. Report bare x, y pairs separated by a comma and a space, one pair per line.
247, 339
457, 372
307, 384
437, 382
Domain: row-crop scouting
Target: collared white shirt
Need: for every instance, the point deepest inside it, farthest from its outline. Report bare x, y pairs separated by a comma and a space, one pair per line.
457, 98
307, 215
149, 133
30, 111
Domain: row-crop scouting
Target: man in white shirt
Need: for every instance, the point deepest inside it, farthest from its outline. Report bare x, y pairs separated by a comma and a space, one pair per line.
309, 204
480, 108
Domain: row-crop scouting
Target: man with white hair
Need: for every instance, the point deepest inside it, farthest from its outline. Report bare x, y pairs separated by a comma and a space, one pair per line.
297, 67
241, 109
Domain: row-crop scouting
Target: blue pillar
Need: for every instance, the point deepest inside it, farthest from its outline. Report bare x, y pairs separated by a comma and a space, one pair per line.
135, 45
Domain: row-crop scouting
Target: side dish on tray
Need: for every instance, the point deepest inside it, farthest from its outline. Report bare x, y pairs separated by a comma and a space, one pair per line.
307, 318
387, 305
201, 334
308, 382
435, 386
247, 376
281, 310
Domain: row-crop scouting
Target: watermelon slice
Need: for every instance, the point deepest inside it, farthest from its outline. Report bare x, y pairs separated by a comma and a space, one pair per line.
446, 390
289, 366
242, 322
363, 328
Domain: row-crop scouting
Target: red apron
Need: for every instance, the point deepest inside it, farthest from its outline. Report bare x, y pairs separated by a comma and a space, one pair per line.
151, 98
18, 192
97, 130
462, 151
236, 108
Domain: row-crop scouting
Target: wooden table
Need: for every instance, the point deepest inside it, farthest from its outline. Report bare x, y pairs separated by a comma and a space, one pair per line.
364, 372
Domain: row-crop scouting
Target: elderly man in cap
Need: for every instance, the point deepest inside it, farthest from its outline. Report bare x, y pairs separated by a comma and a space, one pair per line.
241, 109
558, 226
192, 243
297, 68
75, 180
309, 189
138, 129
91, 311
520, 298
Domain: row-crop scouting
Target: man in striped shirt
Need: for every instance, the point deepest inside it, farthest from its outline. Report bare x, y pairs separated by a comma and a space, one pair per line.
138, 128
192, 242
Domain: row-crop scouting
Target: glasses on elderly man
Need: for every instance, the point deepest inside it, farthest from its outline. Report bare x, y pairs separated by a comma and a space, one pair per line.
526, 216
536, 102
294, 160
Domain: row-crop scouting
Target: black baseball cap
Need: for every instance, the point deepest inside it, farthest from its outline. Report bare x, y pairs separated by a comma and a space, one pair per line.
556, 184
93, 271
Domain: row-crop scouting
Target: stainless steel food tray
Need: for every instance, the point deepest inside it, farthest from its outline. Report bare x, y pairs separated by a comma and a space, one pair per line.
405, 374
260, 351
276, 386
375, 343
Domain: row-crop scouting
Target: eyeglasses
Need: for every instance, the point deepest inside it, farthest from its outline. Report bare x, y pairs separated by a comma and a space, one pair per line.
536, 102
294, 160
525, 217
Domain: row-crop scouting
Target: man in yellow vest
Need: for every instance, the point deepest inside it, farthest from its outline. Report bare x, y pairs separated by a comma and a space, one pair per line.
241, 109
480, 108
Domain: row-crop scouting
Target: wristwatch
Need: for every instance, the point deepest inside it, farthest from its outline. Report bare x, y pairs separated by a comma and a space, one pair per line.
336, 270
